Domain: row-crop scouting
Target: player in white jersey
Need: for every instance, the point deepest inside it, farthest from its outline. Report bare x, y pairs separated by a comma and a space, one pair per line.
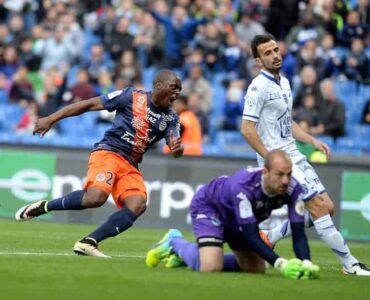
267, 124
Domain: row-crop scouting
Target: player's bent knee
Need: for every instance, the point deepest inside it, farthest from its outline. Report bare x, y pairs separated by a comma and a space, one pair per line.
210, 267
137, 204
94, 198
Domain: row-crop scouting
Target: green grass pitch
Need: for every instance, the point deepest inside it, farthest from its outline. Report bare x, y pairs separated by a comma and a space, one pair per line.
36, 262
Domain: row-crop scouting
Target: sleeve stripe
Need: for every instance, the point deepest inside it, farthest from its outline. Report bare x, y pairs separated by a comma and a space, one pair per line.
250, 116
310, 196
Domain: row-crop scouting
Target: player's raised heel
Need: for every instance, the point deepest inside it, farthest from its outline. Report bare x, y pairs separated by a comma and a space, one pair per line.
162, 249
88, 247
31, 211
357, 269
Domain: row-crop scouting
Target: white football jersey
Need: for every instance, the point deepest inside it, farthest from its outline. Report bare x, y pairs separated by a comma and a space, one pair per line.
269, 102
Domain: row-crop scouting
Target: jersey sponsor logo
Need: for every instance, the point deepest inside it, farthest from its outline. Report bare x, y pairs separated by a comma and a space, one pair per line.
138, 123
299, 208
245, 207
285, 122
139, 142
141, 137
100, 177
114, 94
201, 216
162, 125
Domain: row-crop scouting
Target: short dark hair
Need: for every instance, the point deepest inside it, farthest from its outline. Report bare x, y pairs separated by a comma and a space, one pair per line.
258, 40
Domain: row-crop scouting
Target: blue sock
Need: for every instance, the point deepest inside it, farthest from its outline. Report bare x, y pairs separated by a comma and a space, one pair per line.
189, 252
71, 201
230, 263
116, 223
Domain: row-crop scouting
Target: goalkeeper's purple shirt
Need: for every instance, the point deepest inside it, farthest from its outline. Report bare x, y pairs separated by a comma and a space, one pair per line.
239, 199
138, 124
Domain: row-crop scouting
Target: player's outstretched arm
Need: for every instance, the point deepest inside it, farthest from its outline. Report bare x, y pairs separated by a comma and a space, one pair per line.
43, 125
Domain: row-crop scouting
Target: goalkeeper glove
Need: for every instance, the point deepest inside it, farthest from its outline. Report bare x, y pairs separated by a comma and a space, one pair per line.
290, 268
310, 270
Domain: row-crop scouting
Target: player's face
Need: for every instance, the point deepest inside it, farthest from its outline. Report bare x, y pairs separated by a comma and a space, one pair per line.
278, 177
269, 57
167, 92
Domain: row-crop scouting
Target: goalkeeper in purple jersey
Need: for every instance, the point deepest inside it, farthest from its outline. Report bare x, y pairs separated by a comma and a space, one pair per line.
228, 210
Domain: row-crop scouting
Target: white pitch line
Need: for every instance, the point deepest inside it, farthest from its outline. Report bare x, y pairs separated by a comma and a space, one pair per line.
4, 253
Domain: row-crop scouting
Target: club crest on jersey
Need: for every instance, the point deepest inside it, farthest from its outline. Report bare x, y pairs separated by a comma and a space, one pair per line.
299, 208
137, 123
162, 125
100, 177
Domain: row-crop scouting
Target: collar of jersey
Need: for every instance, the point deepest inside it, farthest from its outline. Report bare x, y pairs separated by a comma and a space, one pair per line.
270, 77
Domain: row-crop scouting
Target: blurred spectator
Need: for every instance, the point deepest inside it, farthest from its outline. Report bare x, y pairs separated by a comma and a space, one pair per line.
233, 58
330, 55
16, 29
209, 41
148, 41
194, 58
352, 29
194, 104
288, 67
106, 25
365, 118
234, 105
197, 83
246, 29
128, 68
331, 114
28, 119
81, 90
27, 56
4, 88
363, 9
5, 37
356, 63
191, 134
307, 56
105, 84
307, 116
21, 90
121, 39
51, 99
179, 29
56, 51
308, 85
332, 17
97, 62
308, 29
73, 30
10, 61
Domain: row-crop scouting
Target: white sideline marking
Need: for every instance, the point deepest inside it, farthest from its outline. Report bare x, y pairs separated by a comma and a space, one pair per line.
4, 253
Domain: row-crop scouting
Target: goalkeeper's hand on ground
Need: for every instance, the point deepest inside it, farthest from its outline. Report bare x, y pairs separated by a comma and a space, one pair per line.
290, 268
311, 271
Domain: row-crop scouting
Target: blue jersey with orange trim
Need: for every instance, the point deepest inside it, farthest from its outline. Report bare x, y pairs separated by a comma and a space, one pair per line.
138, 124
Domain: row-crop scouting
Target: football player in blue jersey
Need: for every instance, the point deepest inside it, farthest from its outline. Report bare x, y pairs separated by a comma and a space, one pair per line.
142, 118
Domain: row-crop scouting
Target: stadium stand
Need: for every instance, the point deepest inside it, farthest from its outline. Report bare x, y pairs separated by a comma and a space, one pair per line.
71, 29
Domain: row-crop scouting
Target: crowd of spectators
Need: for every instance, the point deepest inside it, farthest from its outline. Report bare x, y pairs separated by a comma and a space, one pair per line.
55, 52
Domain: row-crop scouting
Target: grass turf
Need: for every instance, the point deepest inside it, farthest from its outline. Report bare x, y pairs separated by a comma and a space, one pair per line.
36, 262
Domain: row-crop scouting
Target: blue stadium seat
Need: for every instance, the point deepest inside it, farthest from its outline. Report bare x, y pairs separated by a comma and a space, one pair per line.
327, 140
345, 88
349, 146
233, 144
